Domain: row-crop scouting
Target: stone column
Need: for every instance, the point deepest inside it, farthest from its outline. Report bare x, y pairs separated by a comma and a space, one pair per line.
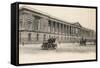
79, 32
66, 29
63, 28
73, 30
51, 27
55, 27
59, 28
70, 30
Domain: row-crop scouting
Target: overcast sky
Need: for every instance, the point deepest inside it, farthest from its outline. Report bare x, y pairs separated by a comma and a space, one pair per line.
85, 16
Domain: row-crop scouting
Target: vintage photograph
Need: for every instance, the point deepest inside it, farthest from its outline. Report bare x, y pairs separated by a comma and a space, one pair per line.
56, 33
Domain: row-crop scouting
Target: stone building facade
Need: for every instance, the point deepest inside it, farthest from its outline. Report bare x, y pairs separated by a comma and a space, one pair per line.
34, 27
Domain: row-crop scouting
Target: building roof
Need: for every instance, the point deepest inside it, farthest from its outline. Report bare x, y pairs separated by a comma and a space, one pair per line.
43, 13
76, 24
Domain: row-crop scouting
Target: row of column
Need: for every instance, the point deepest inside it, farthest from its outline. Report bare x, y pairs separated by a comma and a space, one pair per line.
87, 34
56, 27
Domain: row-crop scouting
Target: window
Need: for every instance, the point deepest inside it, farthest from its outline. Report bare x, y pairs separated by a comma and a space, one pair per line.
37, 37
76, 30
61, 28
20, 23
44, 37
29, 36
57, 27
49, 23
36, 22
29, 24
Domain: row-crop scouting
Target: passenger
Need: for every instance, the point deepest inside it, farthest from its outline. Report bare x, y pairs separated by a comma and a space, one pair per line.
50, 40
49, 44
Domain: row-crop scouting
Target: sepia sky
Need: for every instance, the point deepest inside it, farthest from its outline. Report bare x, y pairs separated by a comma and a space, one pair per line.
85, 16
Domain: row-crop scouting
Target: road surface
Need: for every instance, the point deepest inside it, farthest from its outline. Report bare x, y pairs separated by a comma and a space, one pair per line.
32, 53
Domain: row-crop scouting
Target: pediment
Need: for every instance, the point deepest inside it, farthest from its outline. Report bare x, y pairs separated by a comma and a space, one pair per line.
77, 24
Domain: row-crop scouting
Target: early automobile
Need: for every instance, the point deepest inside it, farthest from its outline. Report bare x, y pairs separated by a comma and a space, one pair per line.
49, 44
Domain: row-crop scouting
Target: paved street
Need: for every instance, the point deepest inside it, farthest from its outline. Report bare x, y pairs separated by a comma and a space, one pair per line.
32, 53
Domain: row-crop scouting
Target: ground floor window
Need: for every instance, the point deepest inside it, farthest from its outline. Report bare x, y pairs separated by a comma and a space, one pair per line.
44, 37
37, 37
29, 36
